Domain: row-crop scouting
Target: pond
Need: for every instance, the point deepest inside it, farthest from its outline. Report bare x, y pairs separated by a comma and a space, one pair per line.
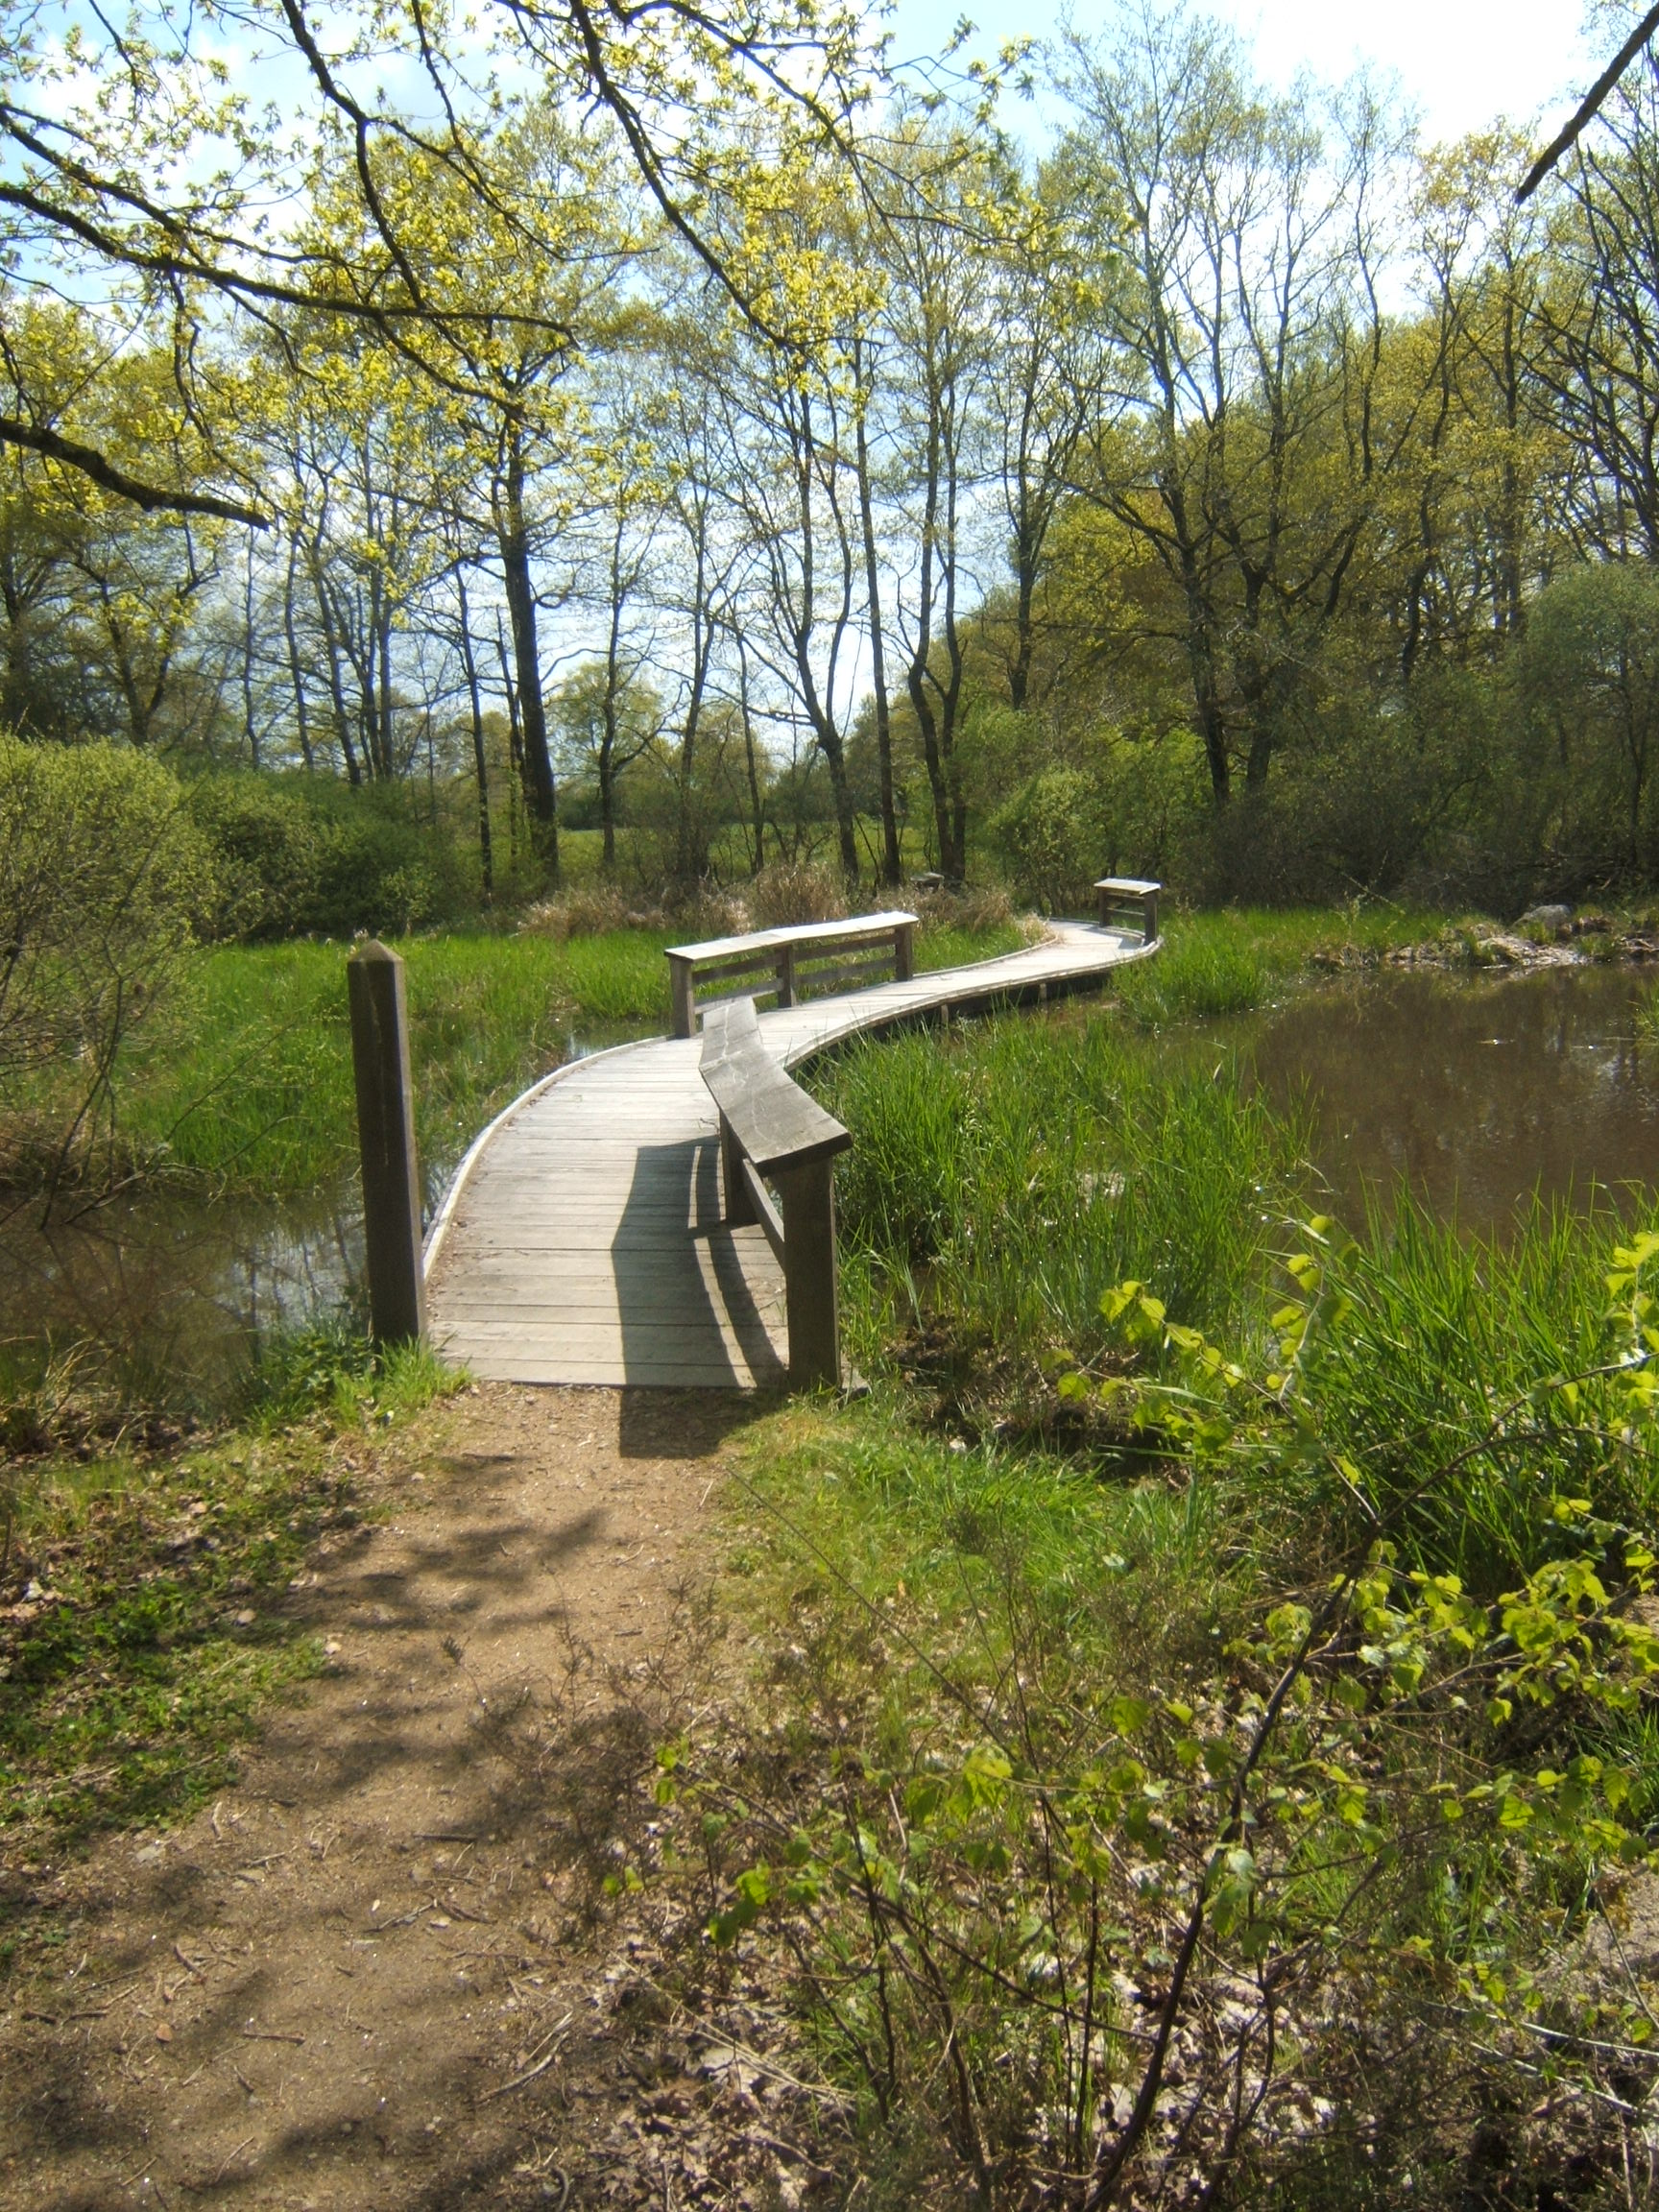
1475, 1094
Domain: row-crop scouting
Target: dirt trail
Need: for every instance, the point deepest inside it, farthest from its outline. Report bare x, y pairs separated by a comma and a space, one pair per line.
322, 1991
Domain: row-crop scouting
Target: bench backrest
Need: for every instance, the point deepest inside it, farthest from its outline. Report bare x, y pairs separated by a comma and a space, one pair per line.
778, 1124
785, 961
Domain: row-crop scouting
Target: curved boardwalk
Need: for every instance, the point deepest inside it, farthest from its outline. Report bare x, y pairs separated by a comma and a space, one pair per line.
582, 1239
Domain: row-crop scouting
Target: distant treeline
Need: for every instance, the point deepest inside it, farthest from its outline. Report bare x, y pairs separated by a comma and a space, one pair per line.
1243, 492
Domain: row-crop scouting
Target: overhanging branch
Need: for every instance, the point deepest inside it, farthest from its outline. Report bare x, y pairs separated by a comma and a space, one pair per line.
153, 498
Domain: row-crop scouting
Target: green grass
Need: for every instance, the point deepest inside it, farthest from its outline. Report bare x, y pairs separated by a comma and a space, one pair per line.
1230, 960
125, 1696
251, 1088
254, 1091
1000, 1180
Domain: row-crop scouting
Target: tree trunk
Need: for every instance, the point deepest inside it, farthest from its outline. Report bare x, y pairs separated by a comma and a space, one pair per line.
892, 865
514, 539
296, 675
470, 665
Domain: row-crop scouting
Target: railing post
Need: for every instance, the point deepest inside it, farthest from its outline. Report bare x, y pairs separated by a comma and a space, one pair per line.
1103, 902
1150, 925
683, 990
786, 975
904, 950
808, 1195
386, 1143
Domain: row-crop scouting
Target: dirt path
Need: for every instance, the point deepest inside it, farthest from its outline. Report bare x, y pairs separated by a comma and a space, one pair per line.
329, 1989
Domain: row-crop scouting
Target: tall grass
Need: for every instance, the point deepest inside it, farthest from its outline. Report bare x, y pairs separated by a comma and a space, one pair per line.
998, 1183
1439, 1375
255, 1095
1002, 1181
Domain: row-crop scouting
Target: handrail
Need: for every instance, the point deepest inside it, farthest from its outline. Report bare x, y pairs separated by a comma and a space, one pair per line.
790, 955
772, 1131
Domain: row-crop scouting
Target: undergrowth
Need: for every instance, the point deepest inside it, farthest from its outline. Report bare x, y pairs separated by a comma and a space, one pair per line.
1202, 1747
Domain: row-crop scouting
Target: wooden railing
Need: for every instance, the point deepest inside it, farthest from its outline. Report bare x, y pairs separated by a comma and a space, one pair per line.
771, 1131
1129, 897
793, 960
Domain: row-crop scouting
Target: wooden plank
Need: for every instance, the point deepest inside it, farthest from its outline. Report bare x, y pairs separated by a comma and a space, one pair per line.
777, 1123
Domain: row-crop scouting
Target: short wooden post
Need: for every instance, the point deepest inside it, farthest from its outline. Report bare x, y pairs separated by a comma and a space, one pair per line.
904, 950
808, 1195
1150, 925
786, 975
682, 993
386, 1141
1103, 901
739, 1206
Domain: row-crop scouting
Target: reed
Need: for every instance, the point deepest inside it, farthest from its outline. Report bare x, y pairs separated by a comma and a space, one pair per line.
998, 1181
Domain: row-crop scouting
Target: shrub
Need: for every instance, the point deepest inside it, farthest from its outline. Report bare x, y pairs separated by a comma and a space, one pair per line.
795, 891
103, 878
1049, 837
300, 854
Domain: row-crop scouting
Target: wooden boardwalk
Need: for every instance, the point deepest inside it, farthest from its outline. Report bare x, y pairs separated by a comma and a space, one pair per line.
582, 1240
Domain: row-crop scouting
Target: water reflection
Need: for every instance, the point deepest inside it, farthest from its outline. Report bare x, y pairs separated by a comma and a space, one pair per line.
168, 1295
1474, 1093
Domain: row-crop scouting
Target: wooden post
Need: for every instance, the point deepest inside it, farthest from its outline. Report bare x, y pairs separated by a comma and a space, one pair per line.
786, 975
739, 1206
386, 1141
904, 950
683, 990
1149, 923
808, 1195
1103, 904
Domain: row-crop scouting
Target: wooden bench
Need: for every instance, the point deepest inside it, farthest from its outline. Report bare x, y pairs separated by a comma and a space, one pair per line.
772, 1131
793, 959
1128, 895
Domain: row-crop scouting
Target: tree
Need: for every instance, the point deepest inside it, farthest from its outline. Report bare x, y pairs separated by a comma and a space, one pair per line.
132, 172
1245, 451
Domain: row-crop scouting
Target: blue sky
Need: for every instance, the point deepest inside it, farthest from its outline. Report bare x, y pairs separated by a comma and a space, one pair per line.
1460, 62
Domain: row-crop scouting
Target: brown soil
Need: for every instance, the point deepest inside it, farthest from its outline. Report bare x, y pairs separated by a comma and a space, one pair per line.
384, 1969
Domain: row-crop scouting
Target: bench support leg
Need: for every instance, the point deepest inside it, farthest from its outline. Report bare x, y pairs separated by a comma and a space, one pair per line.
739, 1206
683, 985
808, 1195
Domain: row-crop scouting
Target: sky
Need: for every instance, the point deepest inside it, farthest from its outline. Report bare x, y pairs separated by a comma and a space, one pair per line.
1460, 62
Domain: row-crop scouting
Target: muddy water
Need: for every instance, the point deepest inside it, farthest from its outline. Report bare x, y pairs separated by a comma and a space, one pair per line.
1474, 1093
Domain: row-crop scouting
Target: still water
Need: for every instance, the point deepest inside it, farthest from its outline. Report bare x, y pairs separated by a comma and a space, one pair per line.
1475, 1094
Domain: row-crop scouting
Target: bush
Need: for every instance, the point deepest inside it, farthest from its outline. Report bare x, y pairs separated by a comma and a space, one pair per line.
795, 891
1050, 838
103, 878
301, 855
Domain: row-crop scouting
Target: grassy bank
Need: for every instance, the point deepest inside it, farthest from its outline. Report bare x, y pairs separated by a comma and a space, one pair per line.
143, 1616
1202, 1720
